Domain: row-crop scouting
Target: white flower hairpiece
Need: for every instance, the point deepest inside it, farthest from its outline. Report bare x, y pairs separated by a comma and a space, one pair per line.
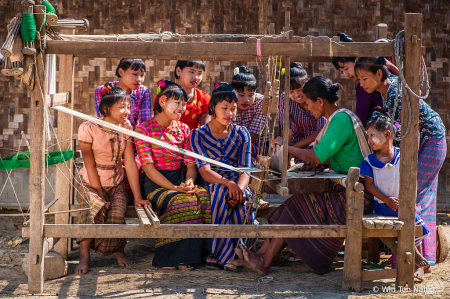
236, 71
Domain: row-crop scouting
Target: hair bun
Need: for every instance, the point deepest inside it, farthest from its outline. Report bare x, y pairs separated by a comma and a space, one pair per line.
381, 61
345, 38
244, 70
334, 88
297, 65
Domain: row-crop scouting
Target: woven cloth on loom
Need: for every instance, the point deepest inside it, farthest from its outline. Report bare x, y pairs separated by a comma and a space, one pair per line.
22, 160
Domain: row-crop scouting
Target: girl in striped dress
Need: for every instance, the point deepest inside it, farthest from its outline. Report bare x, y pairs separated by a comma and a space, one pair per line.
228, 143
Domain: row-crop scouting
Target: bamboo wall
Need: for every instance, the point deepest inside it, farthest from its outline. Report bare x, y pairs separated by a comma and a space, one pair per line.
307, 17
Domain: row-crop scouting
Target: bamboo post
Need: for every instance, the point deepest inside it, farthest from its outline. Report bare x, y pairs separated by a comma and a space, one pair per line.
65, 132
409, 151
37, 172
353, 241
287, 19
287, 80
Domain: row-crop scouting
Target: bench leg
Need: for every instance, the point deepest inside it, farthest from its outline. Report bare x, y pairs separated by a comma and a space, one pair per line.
353, 241
373, 250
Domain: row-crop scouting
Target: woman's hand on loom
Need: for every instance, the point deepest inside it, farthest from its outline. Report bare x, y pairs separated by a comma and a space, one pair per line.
278, 140
235, 193
142, 202
392, 203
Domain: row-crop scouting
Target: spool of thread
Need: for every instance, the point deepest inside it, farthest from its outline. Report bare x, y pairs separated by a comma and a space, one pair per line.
52, 19
6, 71
28, 32
13, 29
16, 57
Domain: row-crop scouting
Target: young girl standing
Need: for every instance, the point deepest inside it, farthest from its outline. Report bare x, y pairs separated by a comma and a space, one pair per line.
381, 171
249, 109
224, 141
189, 75
374, 76
102, 188
174, 196
131, 74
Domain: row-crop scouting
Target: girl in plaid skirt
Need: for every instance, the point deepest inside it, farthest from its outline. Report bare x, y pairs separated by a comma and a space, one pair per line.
102, 188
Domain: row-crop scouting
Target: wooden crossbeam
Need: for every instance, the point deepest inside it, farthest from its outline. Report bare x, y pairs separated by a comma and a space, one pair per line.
215, 50
190, 231
56, 99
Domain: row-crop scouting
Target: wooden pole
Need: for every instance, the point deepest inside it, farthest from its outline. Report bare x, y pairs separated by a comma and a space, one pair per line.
262, 17
287, 80
353, 241
409, 151
381, 31
37, 170
287, 19
65, 132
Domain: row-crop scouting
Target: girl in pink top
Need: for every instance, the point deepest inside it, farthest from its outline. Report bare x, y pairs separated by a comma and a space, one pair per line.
102, 188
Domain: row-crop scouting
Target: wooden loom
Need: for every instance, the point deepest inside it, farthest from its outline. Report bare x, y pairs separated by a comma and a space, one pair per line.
298, 48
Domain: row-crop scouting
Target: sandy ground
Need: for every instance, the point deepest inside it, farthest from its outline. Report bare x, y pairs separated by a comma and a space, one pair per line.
142, 280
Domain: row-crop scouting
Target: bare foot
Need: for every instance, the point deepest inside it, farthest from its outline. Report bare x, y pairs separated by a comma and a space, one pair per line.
427, 269
254, 261
83, 266
185, 267
239, 263
420, 260
419, 274
122, 259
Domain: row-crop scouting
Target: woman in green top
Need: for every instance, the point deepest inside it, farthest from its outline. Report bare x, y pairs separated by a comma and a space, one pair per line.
344, 147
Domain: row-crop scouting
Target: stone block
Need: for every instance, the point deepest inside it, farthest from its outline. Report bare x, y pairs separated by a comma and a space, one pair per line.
55, 265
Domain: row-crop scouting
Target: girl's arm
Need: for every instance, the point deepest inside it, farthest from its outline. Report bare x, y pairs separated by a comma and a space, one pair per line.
161, 180
392, 68
391, 202
89, 163
133, 174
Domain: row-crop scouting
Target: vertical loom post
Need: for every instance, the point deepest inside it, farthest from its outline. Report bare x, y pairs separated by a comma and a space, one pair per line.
65, 132
287, 19
37, 171
409, 151
353, 241
381, 31
287, 79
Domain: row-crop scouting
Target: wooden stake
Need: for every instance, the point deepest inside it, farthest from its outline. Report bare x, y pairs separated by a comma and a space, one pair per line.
287, 79
381, 31
287, 19
353, 241
409, 151
37, 172
262, 17
65, 132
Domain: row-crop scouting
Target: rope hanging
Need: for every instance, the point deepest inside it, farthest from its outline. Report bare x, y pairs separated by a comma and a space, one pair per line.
398, 48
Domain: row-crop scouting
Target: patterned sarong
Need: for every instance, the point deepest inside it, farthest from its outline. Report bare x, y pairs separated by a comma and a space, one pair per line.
88, 197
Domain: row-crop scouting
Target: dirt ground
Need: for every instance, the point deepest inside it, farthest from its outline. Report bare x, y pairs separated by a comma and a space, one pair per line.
142, 280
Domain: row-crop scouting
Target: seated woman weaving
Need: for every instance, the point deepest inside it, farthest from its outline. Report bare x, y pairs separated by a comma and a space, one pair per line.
175, 199
342, 142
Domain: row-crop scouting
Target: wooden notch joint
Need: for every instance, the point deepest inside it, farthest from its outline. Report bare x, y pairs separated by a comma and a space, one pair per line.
35, 259
408, 258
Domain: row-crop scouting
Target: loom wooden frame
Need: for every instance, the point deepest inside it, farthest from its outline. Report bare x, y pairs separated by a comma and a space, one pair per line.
43, 236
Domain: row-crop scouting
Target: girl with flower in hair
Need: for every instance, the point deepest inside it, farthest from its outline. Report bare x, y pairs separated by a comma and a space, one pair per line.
131, 74
102, 188
174, 196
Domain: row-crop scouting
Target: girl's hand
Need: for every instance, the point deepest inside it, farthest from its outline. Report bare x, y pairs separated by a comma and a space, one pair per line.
185, 189
235, 192
392, 203
278, 140
106, 206
142, 202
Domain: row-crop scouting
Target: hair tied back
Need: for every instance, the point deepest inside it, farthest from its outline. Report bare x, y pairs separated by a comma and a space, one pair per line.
334, 88
381, 60
216, 85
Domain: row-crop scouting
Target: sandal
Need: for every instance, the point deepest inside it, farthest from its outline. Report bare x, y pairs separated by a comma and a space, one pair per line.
213, 265
231, 267
168, 268
263, 205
